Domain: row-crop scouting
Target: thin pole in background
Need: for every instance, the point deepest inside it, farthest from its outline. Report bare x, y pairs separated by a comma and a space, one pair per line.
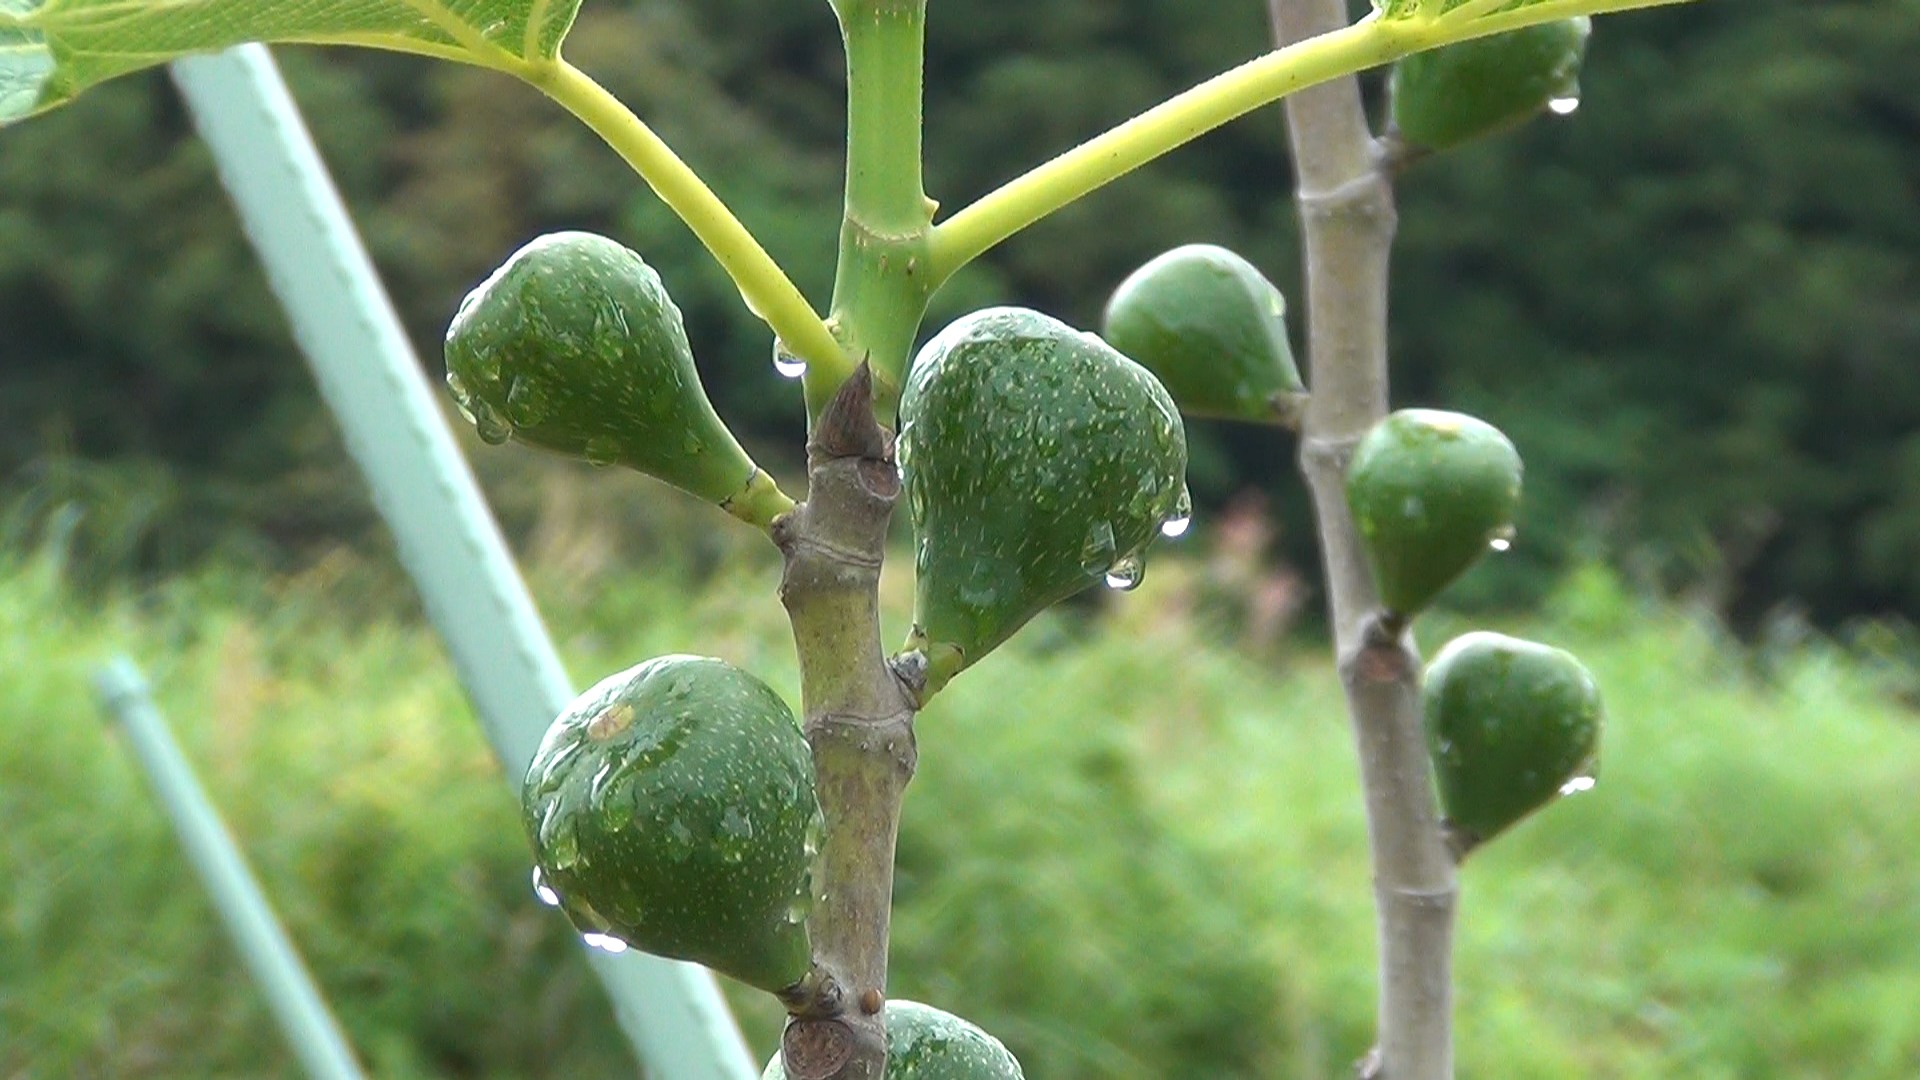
263, 943
671, 1011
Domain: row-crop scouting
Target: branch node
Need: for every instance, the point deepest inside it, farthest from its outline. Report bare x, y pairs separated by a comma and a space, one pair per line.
847, 427
1368, 195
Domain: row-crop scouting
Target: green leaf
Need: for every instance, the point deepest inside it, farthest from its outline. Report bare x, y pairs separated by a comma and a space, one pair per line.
51, 50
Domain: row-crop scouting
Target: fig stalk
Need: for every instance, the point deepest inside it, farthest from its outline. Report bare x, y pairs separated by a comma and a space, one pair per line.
1347, 224
859, 723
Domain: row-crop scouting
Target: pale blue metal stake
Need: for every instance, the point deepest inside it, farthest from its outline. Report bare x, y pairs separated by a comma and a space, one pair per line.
262, 941
671, 1011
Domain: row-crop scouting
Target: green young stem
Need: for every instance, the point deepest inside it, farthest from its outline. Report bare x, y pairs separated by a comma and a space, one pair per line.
859, 722
1347, 225
1173, 123
763, 285
882, 283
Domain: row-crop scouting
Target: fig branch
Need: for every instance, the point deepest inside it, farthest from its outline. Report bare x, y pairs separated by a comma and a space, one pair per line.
858, 715
1341, 51
883, 281
765, 287
1347, 225
859, 723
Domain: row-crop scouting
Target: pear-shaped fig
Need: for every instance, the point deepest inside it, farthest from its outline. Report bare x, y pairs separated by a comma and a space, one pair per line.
574, 346
1447, 96
925, 1043
1038, 460
672, 809
1431, 492
1213, 329
1511, 724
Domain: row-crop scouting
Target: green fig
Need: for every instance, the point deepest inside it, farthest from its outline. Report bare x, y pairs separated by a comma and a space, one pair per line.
1213, 329
1038, 460
574, 346
925, 1043
672, 809
1447, 96
1431, 492
1511, 725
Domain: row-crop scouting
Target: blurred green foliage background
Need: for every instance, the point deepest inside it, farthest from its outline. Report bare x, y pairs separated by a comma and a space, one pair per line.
1154, 867
1695, 303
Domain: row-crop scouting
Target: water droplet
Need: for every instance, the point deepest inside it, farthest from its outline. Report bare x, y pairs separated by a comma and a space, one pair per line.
1564, 105
1502, 538
543, 890
605, 943
1127, 574
603, 450
26, 66
1577, 785
788, 365
1096, 554
493, 428
798, 908
461, 395
526, 404
1182, 517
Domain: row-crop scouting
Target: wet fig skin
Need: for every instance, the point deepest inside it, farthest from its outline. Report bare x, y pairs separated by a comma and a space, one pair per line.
925, 1043
1430, 491
672, 807
1509, 724
1456, 93
1213, 329
574, 346
1038, 460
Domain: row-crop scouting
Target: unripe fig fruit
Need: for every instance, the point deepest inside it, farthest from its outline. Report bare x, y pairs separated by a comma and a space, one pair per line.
1213, 329
672, 808
1447, 96
1037, 460
925, 1043
1430, 491
574, 346
1511, 724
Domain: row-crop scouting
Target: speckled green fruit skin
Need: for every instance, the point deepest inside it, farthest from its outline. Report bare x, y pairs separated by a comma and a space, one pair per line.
1213, 329
574, 346
1430, 490
1037, 459
672, 806
1456, 93
925, 1043
1509, 722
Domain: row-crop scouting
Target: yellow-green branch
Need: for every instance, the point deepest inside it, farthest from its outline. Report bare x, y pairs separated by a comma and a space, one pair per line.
1181, 119
767, 290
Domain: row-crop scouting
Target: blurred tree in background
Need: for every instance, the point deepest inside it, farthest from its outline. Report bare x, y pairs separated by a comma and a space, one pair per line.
1706, 304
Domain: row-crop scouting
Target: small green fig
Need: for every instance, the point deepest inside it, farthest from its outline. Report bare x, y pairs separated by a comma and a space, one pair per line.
1037, 460
1431, 492
574, 346
672, 809
1511, 725
925, 1043
1447, 96
1213, 329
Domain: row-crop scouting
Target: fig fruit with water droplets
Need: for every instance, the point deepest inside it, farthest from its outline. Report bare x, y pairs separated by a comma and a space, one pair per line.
1213, 329
1037, 461
672, 807
574, 346
1450, 95
1430, 492
925, 1043
1511, 724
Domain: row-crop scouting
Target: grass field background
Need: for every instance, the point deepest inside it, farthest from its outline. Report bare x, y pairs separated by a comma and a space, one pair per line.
1133, 850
